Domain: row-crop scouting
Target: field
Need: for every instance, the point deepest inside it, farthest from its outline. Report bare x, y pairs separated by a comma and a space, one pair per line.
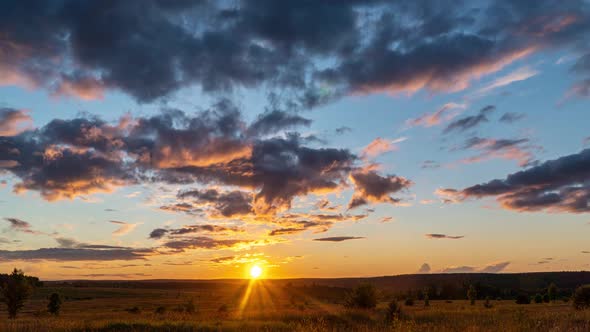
270, 306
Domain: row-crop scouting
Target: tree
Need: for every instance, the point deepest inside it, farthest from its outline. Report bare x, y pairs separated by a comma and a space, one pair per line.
487, 304
54, 305
581, 297
546, 298
15, 290
426, 297
523, 299
552, 292
472, 294
393, 311
364, 296
538, 298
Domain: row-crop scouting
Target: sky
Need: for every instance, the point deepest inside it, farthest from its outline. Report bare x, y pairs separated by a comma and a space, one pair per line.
193, 139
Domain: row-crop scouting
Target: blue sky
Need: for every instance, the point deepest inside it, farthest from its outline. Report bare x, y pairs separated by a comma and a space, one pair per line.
372, 187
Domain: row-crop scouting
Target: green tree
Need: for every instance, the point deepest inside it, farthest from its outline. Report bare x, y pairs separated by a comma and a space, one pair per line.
363, 296
538, 298
54, 305
472, 294
15, 290
552, 292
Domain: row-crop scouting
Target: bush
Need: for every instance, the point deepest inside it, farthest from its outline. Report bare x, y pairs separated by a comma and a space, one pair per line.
546, 298
552, 292
581, 297
133, 310
472, 294
364, 296
393, 311
488, 303
160, 310
523, 299
409, 302
15, 289
538, 298
54, 305
190, 307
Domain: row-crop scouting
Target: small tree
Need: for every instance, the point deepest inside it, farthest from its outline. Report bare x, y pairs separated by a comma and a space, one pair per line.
581, 297
523, 299
393, 311
15, 290
409, 301
538, 298
472, 294
552, 292
54, 305
190, 307
426, 297
488, 304
364, 296
546, 298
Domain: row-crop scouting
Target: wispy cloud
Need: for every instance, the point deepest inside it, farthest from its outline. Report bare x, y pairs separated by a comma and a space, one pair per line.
124, 227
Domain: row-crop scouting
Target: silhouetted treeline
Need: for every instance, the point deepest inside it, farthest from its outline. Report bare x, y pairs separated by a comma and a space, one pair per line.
33, 281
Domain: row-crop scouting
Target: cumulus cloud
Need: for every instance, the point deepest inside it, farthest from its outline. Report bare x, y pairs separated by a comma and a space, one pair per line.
559, 185
425, 268
400, 48
372, 187
12, 121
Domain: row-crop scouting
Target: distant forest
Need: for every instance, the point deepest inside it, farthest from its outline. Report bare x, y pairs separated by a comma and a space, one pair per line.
437, 286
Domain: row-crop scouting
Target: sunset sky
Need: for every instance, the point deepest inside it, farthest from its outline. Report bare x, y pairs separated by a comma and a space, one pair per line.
192, 139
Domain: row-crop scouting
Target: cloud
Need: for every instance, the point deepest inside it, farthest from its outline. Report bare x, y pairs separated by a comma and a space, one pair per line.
386, 219
559, 185
226, 204
342, 130
511, 117
430, 164
276, 120
425, 268
510, 149
338, 238
159, 233
124, 227
372, 187
470, 122
444, 236
516, 75
495, 268
380, 146
400, 48
204, 242
75, 254
22, 226
13, 122
459, 269
445, 113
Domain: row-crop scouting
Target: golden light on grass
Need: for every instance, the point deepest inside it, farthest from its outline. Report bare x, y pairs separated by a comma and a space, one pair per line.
255, 272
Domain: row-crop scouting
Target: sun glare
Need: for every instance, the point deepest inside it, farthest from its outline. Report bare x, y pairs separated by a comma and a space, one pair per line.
255, 272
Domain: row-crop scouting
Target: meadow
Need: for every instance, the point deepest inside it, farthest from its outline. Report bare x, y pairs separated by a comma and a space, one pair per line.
270, 306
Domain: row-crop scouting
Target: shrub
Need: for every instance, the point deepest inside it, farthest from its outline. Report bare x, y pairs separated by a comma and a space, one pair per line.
538, 298
160, 310
223, 308
552, 292
393, 311
133, 310
190, 307
581, 297
364, 296
546, 298
488, 303
409, 302
523, 299
426, 298
16, 289
54, 305
472, 294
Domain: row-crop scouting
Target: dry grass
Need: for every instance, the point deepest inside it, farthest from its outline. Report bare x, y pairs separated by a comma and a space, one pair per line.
275, 309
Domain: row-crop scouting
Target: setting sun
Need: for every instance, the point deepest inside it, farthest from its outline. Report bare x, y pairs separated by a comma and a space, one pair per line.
255, 272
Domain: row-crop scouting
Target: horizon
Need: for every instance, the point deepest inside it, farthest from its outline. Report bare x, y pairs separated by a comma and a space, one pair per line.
310, 140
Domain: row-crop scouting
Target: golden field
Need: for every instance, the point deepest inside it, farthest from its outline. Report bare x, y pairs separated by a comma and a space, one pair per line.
270, 306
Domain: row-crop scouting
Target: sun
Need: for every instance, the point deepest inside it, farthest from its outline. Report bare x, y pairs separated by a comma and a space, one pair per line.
255, 272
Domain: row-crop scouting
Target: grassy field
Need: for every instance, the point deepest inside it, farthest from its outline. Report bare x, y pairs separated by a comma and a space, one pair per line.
266, 306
